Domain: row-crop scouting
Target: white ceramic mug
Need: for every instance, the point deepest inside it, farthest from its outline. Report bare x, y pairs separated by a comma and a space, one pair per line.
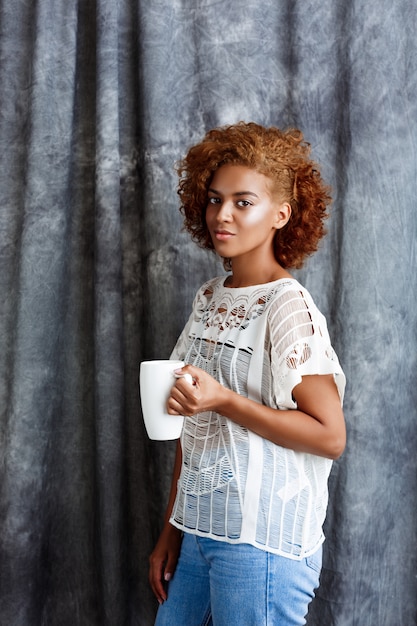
156, 380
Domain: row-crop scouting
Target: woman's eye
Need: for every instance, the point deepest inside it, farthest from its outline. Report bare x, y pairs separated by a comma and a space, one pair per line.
244, 203
213, 200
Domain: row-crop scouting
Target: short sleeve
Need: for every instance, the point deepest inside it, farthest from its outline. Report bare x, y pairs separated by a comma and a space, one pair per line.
181, 346
199, 303
299, 345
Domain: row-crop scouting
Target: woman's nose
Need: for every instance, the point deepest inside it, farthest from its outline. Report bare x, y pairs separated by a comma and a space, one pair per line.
224, 214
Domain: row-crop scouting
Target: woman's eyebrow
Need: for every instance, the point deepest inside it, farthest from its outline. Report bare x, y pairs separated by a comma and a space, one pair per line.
238, 193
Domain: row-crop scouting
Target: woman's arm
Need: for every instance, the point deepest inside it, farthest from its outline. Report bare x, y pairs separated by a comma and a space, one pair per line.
317, 426
164, 557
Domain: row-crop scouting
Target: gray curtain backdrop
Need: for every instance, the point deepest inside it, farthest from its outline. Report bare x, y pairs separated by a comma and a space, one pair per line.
99, 98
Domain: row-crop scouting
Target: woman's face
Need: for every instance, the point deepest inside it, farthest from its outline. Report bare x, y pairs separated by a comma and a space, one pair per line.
242, 215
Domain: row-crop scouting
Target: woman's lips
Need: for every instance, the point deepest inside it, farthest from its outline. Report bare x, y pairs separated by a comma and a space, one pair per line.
223, 235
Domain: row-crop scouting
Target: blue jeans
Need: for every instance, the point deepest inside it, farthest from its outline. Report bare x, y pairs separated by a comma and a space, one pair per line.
222, 584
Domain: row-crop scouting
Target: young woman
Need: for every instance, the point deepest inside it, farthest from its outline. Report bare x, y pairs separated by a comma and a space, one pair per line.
241, 543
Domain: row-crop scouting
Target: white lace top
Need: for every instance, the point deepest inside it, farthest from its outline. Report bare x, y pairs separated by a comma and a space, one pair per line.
234, 485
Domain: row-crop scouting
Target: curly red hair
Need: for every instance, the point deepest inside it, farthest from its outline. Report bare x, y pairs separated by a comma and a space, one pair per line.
282, 156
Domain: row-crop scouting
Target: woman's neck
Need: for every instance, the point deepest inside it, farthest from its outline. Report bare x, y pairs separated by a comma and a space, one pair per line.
246, 276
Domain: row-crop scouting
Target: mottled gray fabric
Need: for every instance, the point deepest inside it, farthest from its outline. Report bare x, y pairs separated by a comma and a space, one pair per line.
99, 98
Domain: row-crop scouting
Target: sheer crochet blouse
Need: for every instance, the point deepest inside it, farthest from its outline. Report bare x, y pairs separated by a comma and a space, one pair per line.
234, 485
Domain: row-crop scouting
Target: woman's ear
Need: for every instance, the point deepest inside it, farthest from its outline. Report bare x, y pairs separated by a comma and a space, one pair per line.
282, 215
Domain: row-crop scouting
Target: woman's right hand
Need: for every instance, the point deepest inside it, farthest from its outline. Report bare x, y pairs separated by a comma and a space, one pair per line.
163, 560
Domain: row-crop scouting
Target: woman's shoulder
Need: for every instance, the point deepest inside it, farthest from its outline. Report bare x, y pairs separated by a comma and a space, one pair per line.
293, 287
291, 298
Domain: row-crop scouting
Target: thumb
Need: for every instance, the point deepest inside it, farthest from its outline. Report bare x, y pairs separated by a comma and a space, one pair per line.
186, 372
170, 567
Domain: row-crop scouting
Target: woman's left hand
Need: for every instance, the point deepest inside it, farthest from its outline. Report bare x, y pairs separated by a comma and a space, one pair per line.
202, 395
